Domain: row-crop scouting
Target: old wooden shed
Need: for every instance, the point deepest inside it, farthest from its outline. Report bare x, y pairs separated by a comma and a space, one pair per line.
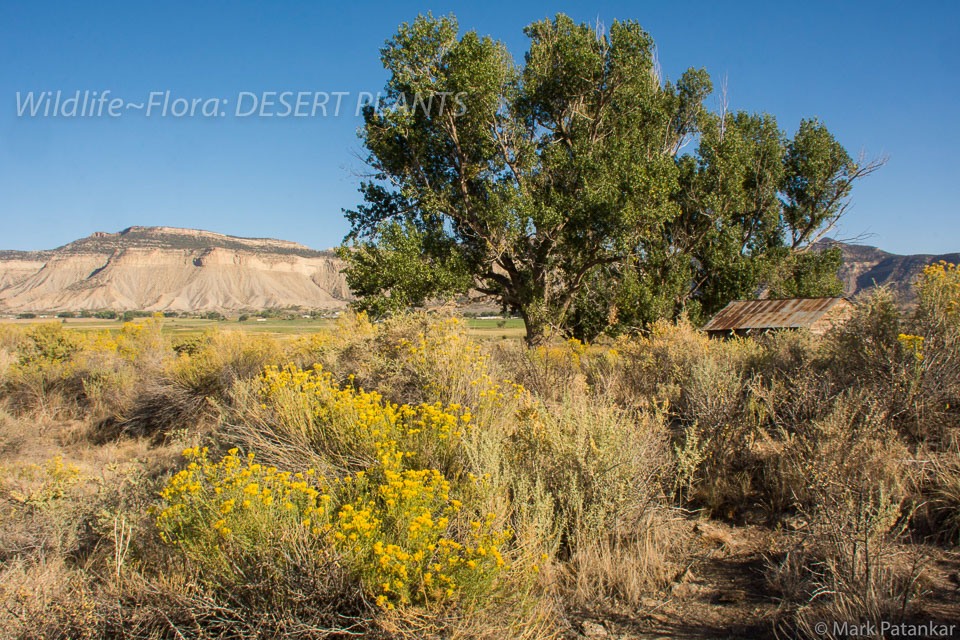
743, 317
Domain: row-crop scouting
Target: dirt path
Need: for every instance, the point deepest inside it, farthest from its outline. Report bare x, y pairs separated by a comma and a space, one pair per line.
720, 594
724, 594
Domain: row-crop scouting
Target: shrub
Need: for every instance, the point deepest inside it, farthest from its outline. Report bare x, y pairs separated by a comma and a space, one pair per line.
47, 483
936, 351
946, 496
346, 427
440, 362
578, 475
938, 497
408, 480
185, 392
590, 469
586, 480
390, 525
547, 371
42, 375
850, 483
914, 360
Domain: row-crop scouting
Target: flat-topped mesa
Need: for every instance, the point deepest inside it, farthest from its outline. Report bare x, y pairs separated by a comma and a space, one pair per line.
160, 232
176, 238
171, 269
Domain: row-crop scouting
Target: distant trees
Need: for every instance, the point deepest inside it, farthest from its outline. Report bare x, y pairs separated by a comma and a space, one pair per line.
130, 315
561, 186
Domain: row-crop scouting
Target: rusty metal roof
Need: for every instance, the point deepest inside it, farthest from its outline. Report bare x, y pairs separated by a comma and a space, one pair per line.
771, 314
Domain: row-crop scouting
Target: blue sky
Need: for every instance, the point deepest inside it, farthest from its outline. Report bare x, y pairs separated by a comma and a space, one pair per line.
883, 76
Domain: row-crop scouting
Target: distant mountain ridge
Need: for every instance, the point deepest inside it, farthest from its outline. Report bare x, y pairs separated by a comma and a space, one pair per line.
170, 238
865, 267
171, 269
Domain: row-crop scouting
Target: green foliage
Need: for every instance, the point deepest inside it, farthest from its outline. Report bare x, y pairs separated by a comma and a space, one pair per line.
525, 182
808, 275
131, 314
558, 186
752, 205
394, 274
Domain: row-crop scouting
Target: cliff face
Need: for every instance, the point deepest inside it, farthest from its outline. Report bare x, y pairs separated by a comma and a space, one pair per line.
867, 267
167, 269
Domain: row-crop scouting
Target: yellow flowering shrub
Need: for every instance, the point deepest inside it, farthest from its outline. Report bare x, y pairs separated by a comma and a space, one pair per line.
210, 363
215, 510
565, 354
554, 369
939, 291
352, 426
311, 346
95, 370
43, 367
403, 535
392, 519
111, 363
357, 325
447, 365
937, 348
132, 342
912, 344
40, 485
47, 351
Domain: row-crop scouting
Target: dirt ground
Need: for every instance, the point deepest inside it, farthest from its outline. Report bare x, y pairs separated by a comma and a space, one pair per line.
724, 594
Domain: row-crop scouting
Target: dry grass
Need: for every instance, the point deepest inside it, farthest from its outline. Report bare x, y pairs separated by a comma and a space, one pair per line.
592, 457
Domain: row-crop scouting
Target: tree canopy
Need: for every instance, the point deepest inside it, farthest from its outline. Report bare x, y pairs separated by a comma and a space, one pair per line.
582, 189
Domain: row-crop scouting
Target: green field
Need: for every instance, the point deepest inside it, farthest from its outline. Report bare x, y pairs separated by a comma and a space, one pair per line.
483, 328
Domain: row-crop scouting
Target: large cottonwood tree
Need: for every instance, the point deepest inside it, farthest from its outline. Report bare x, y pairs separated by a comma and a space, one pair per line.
561, 187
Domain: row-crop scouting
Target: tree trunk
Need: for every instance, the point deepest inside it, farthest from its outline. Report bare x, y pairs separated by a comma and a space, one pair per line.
536, 330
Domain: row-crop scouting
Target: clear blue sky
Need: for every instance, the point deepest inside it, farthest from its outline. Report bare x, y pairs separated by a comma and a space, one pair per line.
884, 76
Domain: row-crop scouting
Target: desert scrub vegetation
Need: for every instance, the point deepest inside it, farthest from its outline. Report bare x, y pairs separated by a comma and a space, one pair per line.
401, 479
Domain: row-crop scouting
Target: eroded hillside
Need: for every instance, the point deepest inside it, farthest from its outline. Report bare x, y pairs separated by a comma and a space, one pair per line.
168, 269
